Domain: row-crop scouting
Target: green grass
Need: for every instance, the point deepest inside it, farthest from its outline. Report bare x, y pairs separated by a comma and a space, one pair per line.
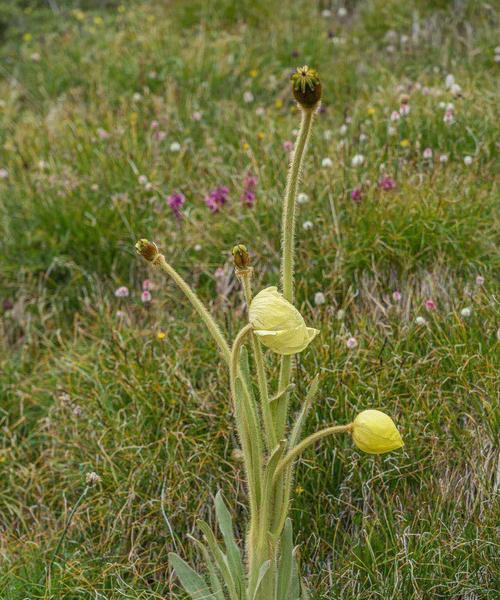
84, 390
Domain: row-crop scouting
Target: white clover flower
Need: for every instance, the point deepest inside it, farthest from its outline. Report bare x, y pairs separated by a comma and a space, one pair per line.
443, 158
326, 13
466, 312
357, 160
455, 89
395, 116
449, 81
319, 298
197, 247
352, 343
343, 129
468, 160
327, 134
363, 138
137, 97
327, 163
341, 314
248, 96
142, 179
175, 147
307, 225
4, 173
391, 131
302, 198
342, 12
442, 105
479, 280
260, 111
420, 321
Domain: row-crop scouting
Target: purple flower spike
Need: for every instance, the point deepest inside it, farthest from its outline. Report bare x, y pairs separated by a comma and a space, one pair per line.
175, 201
217, 198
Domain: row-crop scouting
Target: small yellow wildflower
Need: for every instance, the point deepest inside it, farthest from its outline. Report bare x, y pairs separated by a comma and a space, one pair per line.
121, 9
79, 15
254, 73
133, 118
371, 111
404, 143
161, 335
27, 37
261, 135
278, 103
299, 490
246, 146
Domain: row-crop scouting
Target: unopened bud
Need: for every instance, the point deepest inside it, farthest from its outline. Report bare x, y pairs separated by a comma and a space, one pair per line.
147, 249
92, 478
306, 87
241, 257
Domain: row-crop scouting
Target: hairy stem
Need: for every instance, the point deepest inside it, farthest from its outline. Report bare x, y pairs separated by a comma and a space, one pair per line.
299, 448
267, 417
197, 304
287, 260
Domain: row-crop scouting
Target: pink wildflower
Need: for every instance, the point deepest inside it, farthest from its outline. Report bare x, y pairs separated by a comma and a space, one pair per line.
356, 194
217, 198
288, 145
397, 296
352, 343
146, 296
148, 285
175, 202
122, 292
386, 183
430, 305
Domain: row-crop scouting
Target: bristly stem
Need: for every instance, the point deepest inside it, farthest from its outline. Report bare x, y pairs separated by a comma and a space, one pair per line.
287, 260
297, 451
267, 417
206, 317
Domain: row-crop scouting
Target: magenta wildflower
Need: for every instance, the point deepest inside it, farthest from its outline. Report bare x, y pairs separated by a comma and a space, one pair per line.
175, 201
430, 305
250, 181
122, 292
248, 197
356, 194
148, 285
386, 183
146, 296
397, 296
288, 145
217, 198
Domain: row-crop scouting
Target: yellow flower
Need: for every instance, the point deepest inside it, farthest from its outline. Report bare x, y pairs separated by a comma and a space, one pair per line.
279, 325
27, 37
121, 9
374, 432
161, 335
246, 146
278, 103
371, 111
404, 143
299, 490
253, 73
261, 135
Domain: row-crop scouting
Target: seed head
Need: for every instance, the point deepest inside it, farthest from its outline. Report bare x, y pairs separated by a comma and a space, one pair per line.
147, 249
306, 87
241, 257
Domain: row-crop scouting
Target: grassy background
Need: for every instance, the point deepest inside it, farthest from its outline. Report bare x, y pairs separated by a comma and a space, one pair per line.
83, 389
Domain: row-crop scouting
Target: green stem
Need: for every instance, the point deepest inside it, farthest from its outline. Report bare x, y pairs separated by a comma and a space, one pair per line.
206, 317
287, 260
267, 417
299, 448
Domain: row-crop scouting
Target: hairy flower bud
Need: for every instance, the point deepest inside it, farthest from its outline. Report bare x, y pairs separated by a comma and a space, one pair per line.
306, 87
279, 325
241, 257
375, 433
147, 249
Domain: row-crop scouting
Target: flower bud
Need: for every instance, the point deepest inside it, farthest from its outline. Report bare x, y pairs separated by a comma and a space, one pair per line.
306, 87
147, 249
279, 325
375, 433
241, 257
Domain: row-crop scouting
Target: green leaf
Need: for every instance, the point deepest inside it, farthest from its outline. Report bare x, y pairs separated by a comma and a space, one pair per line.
220, 559
262, 573
233, 553
215, 583
285, 568
295, 593
245, 371
302, 416
193, 583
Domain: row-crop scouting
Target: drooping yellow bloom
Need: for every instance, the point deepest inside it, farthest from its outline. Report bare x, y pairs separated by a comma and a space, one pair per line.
279, 325
375, 433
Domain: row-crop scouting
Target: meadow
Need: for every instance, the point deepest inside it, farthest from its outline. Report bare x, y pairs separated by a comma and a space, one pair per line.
174, 121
